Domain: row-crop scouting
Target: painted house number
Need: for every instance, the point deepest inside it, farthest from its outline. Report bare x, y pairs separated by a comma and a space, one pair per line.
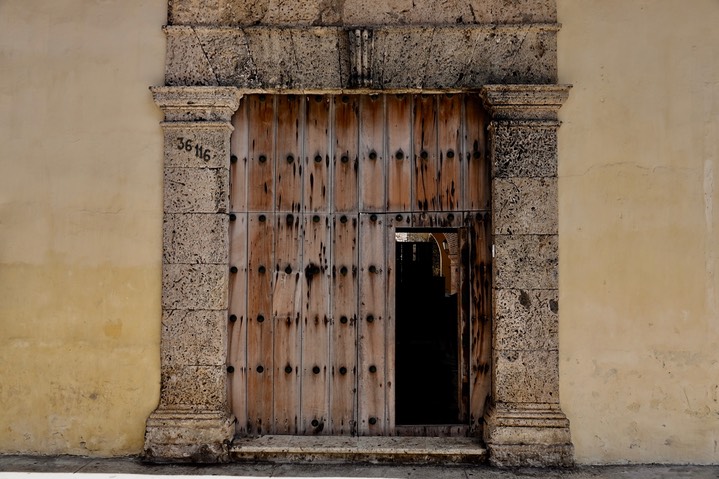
188, 144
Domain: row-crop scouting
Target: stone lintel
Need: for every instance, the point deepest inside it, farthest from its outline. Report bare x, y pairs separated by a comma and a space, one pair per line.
323, 58
528, 435
524, 102
188, 435
197, 103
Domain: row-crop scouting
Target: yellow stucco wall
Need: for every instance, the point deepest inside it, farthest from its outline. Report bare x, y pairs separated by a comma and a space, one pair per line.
639, 229
80, 223
80, 226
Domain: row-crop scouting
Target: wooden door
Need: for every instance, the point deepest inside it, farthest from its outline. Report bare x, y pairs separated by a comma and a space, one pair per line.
319, 186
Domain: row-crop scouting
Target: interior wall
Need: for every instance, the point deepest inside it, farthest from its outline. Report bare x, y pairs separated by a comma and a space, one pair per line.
639, 229
80, 224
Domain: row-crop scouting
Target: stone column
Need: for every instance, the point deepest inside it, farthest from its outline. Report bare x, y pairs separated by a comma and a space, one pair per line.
193, 421
525, 425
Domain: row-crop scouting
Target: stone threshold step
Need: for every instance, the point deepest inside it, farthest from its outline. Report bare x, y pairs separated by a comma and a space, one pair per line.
282, 449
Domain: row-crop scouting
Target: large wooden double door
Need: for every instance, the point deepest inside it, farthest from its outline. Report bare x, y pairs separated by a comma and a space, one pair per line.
320, 187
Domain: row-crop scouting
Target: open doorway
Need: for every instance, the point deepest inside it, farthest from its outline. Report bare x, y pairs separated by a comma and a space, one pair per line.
430, 333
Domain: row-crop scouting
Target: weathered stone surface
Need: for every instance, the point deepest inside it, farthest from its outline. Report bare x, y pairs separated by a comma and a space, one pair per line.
185, 61
399, 57
526, 376
525, 206
194, 286
528, 434
526, 319
194, 338
197, 103
196, 238
197, 144
526, 262
523, 150
196, 190
201, 387
188, 435
358, 12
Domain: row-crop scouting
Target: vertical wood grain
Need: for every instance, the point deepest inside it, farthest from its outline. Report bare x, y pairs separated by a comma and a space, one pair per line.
477, 184
449, 181
317, 154
371, 326
288, 176
237, 322
343, 363
239, 149
372, 154
259, 327
286, 314
426, 163
260, 165
315, 325
345, 196
399, 163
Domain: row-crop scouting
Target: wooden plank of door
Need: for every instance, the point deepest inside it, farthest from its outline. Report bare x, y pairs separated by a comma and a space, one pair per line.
239, 148
390, 325
286, 313
399, 166
317, 154
343, 348
426, 162
477, 182
315, 325
260, 165
288, 176
463, 329
259, 331
237, 311
449, 189
371, 333
480, 307
372, 153
346, 160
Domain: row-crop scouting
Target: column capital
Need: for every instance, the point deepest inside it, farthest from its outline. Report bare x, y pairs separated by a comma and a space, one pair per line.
524, 102
197, 103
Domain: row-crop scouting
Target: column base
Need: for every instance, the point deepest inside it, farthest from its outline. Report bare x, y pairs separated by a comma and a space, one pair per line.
179, 435
528, 435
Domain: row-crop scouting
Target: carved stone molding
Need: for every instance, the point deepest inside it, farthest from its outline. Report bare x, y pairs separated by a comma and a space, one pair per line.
193, 421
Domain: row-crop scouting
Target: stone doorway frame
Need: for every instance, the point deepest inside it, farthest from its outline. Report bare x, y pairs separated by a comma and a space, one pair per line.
524, 424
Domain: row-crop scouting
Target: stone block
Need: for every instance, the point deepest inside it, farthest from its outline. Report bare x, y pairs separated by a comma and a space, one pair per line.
526, 262
188, 434
530, 376
197, 144
528, 151
194, 338
525, 206
196, 190
359, 12
526, 319
194, 286
461, 57
185, 62
193, 386
196, 238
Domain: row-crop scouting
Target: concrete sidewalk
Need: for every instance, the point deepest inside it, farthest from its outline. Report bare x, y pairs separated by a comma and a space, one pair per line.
34, 467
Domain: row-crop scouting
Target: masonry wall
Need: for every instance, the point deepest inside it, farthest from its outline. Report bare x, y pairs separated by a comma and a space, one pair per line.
81, 223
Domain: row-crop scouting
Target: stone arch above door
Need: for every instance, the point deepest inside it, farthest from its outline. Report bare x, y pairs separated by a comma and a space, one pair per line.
506, 55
